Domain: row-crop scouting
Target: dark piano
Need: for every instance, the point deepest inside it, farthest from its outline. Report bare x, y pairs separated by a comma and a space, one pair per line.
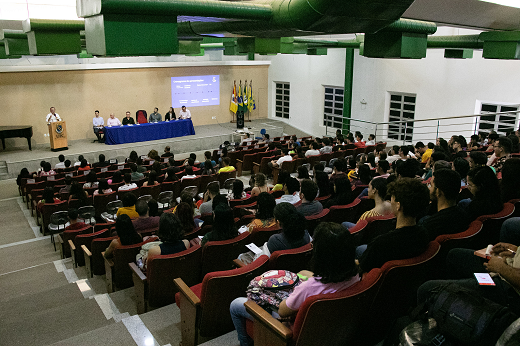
16, 131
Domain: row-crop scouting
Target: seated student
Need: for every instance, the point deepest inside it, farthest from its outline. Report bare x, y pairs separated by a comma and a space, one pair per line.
382, 169
103, 188
477, 158
333, 270
264, 217
282, 177
483, 184
185, 214
371, 139
458, 143
74, 224
133, 157
154, 155
68, 185
338, 170
24, 173
502, 153
212, 191
140, 165
77, 192
189, 173
47, 198
117, 178
343, 194
278, 163
322, 180
463, 264
510, 184
409, 198
308, 193
192, 163
291, 190
294, 231
187, 198
327, 148
224, 227
407, 169
461, 166
208, 168
359, 140
126, 235
84, 166
247, 138
47, 170
362, 176
171, 234
152, 179
260, 185
101, 163
167, 152
78, 163
226, 162
153, 208
303, 173
60, 164
393, 154
207, 157
170, 174
92, 180
449, 218
350, 142
144, 221
313, 150
135, 175
237, 192
128, 183
128, 207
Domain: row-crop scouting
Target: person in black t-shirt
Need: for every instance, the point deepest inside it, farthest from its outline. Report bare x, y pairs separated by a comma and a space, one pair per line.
409, 198
128, 120
449, 218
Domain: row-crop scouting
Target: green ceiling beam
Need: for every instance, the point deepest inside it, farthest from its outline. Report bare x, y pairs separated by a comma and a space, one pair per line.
458, 53
501, 44
53, 37
3, 55
391, 44
15, 41
459, 41
317, 51
189, 47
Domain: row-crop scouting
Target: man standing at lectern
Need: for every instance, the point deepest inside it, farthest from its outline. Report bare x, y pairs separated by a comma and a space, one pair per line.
98, 124
184, 113
53, 116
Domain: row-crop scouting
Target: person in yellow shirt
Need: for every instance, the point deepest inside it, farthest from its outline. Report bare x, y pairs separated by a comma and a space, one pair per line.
425, 152
226, 163
128, 208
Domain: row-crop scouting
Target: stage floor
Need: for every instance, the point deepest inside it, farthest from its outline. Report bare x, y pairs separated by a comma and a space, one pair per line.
207, 137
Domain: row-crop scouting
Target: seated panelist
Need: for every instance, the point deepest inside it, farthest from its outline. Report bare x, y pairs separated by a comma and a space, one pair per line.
155, 117
128, 120
170, 115
113, 121
98, 124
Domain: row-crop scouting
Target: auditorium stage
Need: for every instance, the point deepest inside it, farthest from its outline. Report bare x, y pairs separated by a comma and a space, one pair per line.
207, 137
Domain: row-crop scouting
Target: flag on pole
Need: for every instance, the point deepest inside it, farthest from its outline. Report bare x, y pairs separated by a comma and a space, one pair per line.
245, 97
234, 106
240, 99
251, 100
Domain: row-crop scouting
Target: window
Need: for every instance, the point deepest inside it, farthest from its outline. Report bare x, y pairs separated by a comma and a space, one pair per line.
282, 100
333, 108
402, 108
501, 123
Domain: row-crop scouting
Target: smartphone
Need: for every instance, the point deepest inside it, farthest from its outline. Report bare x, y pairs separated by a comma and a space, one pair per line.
484, 279
140, 263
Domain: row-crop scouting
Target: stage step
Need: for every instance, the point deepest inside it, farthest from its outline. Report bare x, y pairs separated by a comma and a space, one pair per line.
4, 174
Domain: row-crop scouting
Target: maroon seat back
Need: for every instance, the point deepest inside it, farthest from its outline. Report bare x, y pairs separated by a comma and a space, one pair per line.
247, 162
70, 235
377, 225
342, 213
260, 235
101, 201
314, 220
98, 246
222, 177
205, 180
153, 190
162, 270
293, 259
121, 194
346, 311
365, 204
398, 291
48, 209
219, 255
190, 182
369, 149
264, 168
122, 274
219, 289
86, 239
491, 225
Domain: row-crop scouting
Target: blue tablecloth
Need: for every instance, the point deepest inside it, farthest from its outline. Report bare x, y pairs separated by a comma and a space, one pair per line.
148, 132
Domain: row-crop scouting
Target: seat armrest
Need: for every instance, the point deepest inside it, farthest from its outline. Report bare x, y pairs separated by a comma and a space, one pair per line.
88, 260
238, 263
61, 245
141, 288
268, 330
137, 271
185, 291
72, 252
109, 271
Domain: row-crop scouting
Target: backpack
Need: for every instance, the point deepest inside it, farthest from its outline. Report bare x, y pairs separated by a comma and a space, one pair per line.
272, 287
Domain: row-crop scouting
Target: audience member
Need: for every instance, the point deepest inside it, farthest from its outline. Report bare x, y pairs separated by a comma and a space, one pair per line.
135, 175
461, 166
264, 217
128, 207
103, 188
77, 192
84, 166
322, 180
60, 164
212, 191
308, 192
126, 235
224, 227
313, 150
226, 165
343, 194
510, 182
167, 152
144, 221
260, 185
92, 181
476, 159
377, 189
128, 183
74, 224
47, 198
278, 163
171, 234
237, 192
47, 170
502, 153
152, 179
185, 214
303, 173
117, 178
101, 163
282, 177
291, 191
483, 184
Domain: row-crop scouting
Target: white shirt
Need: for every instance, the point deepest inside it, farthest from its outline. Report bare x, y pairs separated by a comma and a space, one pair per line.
113, 122
283, 159
127, 187
312, 152
370, 143
392, 158
60, 165
185, 115
293, 199
51, 119
188, 177
98, 121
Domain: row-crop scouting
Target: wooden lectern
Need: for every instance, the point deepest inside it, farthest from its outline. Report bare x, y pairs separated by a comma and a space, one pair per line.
58, 135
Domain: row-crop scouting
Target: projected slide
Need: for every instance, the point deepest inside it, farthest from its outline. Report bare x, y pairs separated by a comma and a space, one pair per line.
194, 91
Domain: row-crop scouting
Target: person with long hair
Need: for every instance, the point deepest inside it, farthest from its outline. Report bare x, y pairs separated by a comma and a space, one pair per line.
117, 178
303, 173
208, 168
237, 192
260, 185
47, 170
133, 157
264, 217
152, 179
126, 235
185, 214
92, 180
84, 166
333, 269
322, 180
343, 194
103, 188
77, 192
224, 227
170, 174
483, 184
24, 173
47, 197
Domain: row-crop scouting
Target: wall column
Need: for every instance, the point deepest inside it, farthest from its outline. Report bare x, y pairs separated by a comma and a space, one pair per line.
347, 90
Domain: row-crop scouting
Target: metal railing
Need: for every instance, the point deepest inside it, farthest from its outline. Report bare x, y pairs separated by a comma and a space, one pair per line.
426, 130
